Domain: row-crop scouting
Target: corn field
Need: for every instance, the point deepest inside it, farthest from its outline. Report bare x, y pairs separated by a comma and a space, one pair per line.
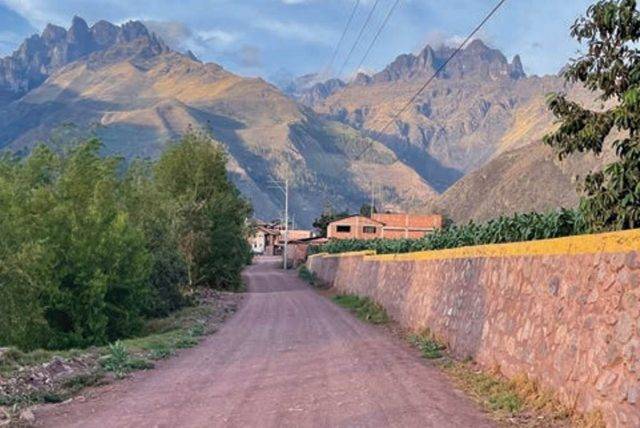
516, 228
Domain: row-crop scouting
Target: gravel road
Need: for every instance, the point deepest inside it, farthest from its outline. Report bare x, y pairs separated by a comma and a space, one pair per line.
288, 357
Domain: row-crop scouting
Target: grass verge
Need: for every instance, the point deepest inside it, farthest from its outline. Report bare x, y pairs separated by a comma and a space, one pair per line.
429, 347
306, 275
43, 376
363, 307
518, 401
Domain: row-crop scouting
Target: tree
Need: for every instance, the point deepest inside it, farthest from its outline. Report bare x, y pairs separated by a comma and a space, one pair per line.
73, 266
154, 212
211, 213
328, 215
610, 66
366, 211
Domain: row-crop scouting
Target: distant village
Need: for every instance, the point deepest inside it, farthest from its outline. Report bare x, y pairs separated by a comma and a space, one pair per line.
269, 237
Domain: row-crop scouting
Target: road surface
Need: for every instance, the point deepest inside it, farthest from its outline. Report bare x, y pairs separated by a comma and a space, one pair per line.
288, 357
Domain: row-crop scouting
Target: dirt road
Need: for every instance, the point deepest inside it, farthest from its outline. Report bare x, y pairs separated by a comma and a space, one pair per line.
287, 358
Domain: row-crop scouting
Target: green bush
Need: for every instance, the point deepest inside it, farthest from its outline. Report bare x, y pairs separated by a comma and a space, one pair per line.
519, 227
73, 267
90, 246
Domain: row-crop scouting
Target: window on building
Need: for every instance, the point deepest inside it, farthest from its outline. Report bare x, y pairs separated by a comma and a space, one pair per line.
369, 229
343, 229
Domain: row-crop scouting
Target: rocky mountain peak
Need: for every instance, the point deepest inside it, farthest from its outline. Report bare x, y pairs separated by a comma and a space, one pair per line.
517, 70
476, 60
133, 30
79, 28
104, 33
40, 55
477, 46
53, 34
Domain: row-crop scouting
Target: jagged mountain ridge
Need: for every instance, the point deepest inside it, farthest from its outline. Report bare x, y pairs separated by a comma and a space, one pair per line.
474, 134
457, 122
42, 54
126, 86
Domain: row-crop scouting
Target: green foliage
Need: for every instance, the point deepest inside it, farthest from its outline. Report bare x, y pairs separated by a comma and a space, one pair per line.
90, 248
366, 210
327, 216
153, 213
306, 275
211, 213
74, 268
496, 394
428, 346
120, 362
611, 32
117, 360
364, 308
519, 227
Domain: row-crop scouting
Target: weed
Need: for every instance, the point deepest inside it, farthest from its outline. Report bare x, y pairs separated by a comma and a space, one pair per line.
119, 361
186, 342
428, 346
160, 351
494, 393
364, 308
139, 364
306, 275
196, 330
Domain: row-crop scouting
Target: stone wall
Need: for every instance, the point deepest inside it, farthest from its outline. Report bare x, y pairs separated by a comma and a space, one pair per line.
565, 312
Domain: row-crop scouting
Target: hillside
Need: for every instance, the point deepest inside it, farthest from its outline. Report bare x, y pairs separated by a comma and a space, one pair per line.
525, 179
469, 146
474, 134
136, 94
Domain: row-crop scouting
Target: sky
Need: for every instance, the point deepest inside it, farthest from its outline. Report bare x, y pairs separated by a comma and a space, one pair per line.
281, 39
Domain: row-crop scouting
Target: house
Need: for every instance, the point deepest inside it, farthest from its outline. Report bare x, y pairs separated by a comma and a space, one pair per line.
294, 235
268, 238
298, 249
355, 227
387, 225
402, 225
264, 240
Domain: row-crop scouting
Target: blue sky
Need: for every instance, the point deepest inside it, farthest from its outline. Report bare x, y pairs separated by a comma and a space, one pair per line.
279, 38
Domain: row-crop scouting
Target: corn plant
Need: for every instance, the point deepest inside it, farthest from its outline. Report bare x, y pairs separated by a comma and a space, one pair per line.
516, 228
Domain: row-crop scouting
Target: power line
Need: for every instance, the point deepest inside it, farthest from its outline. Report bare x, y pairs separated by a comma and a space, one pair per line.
344, 33
375, 38
432, 78
355, 44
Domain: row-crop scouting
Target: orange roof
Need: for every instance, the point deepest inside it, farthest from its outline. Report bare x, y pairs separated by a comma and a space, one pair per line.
403, 220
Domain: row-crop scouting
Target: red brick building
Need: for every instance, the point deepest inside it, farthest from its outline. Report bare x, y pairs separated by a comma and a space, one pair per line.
388, 225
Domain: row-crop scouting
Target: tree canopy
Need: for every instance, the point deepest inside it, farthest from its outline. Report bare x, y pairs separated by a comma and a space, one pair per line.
610, 31
90, 246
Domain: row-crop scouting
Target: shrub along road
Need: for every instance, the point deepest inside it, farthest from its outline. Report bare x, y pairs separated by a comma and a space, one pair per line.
288, 358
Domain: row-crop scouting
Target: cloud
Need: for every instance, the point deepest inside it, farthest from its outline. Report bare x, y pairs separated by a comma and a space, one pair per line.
437, 39
218, 37
180, 37
249, 56
37, 12
308, 33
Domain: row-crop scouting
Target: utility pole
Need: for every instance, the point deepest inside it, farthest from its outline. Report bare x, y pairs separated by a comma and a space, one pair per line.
373, 198
284, 188
286, 221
